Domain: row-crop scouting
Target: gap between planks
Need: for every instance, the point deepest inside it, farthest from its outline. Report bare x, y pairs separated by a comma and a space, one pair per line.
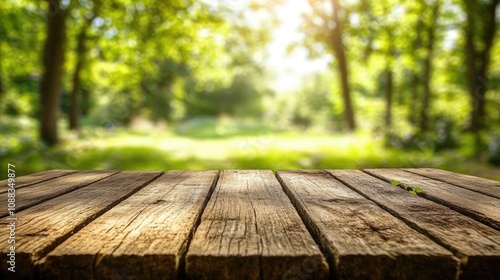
183, 253
251, 230
363, 240
42, 233
475, 244
36, 178
480, 207
47, 190
182, 266
480, 185
167, 210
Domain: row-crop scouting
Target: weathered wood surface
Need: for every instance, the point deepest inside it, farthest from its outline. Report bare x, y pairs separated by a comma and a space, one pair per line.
41, 192
341, 224
42, 227
28, 180
477, 245
143, 237
488, 187
250, 230
364, 241
481, 207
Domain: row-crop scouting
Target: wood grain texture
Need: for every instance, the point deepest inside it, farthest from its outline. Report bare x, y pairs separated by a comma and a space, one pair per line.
363, 241
29, 180
143, 237
250, 230
477, 245
44, 226
27, 197
484, 186
481, 207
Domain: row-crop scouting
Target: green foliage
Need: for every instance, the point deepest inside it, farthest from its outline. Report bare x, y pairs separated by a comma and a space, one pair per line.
23, 99
313, 105
197, 66
241, 98
494, 149
443, 135
411, 190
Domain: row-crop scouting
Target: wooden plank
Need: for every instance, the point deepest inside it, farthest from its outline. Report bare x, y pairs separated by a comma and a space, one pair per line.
27, 197
42, 227
481, 207
28, 180
143, 237
363, 241
250, 230
484, 186
477, 245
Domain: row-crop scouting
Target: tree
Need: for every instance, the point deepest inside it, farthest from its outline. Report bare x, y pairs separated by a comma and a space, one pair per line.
81, 57
388, 98
427, 66
141, 50
382, 33
389, 54
338, 48
158, 90
415, 69
480, 30
2, 87
332, 27
53, 60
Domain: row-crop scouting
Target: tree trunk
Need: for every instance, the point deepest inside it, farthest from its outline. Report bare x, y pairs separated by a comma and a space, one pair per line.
415, 74
427, 70
470, 51
85, 102
478, 60
414, 84
76, 80
81, 56
2, 88
488, 39
52, 77
338, 48
426, 95
388, 99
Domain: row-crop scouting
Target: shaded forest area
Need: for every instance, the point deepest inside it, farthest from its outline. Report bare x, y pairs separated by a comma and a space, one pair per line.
421, 78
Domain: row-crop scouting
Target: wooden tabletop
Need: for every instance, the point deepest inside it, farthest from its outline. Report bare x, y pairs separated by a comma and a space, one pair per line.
252, 224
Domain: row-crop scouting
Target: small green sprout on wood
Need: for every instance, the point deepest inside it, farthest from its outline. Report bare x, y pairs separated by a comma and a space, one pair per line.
412, 190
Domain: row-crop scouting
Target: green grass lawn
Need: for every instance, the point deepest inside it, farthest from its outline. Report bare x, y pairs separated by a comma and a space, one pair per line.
264, 149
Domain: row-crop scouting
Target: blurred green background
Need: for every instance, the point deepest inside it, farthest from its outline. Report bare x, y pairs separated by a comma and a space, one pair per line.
220, 84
